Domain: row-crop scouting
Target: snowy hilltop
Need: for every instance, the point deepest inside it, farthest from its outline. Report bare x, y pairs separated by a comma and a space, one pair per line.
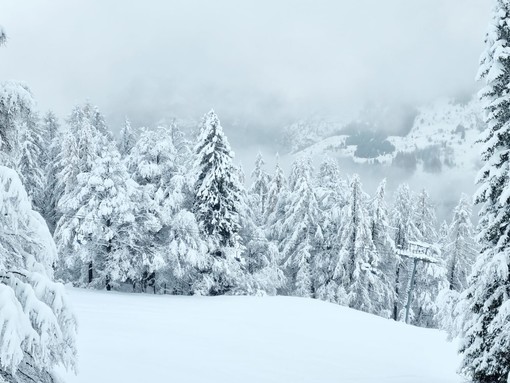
432, 138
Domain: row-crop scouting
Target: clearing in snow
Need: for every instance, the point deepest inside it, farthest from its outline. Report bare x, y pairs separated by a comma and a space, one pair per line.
154, 338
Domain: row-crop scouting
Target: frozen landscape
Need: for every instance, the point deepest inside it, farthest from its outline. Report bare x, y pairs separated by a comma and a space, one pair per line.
144, 338
255, 192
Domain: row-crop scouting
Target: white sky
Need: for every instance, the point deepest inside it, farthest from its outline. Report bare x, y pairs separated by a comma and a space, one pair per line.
256, 61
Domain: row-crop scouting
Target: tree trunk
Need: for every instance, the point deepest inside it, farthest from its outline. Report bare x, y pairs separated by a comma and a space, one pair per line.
91, 275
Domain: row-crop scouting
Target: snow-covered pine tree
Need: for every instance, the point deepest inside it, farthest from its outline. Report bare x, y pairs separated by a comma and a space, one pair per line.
384, 296
331, 192
262, 256
127, 139
80, 148
157, 163
277, 190
217, 206
430, 278
16, 105
425, 218
259, 189
298, 228
404, 231
486, 344
355, 270
52, 136
443, 237
461, 250
32, 160
38, 328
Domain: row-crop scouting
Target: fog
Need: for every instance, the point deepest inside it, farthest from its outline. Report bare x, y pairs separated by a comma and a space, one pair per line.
260, 64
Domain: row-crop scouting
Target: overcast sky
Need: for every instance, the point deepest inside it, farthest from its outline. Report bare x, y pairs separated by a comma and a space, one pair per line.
255, 61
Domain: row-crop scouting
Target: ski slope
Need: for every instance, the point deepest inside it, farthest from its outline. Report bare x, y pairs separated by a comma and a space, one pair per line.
126, 338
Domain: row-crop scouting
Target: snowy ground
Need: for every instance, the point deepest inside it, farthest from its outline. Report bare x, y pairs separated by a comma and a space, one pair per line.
128, 338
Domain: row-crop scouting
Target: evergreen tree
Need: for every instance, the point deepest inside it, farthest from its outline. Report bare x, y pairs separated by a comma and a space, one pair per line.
331, 194
404, 231
259, 188
52, 136
217, 206
384, 296
277, 190
38, 327
425, 218
460, 252
298, 230
127, 139
155, 165
82, 144
486, 344
32, 161
430, 277
358, 258
17, 106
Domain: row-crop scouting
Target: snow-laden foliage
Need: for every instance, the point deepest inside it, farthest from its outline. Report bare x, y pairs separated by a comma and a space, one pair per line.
259, 189
331, 191
276, 197
32, 161
217, 205
16, 108
81, 148
299, 229
425, 218
37, 327
52, 135
127, 139
357, 268
384, 295
486, 343
404, 230
430, 277
461, 248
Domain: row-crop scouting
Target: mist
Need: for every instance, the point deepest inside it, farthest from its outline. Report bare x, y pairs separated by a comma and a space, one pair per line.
259, 64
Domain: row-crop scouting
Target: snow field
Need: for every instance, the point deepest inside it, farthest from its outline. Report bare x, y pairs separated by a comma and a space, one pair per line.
143, 338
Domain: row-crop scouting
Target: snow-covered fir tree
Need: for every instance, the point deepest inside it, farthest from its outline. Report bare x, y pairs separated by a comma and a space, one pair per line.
384, 295
404, 231
52, 135
425, 218
486, 344
262, 255
356, 270
38, 327
155, 165
298, 229
259, 188
430, 277
217, 207
33, 160
331, 193
81, 146
461, 249
16, 107
127, 138
277, 190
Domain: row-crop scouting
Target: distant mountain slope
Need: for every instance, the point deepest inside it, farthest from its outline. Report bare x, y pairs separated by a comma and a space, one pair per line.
145, 338
442, 135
